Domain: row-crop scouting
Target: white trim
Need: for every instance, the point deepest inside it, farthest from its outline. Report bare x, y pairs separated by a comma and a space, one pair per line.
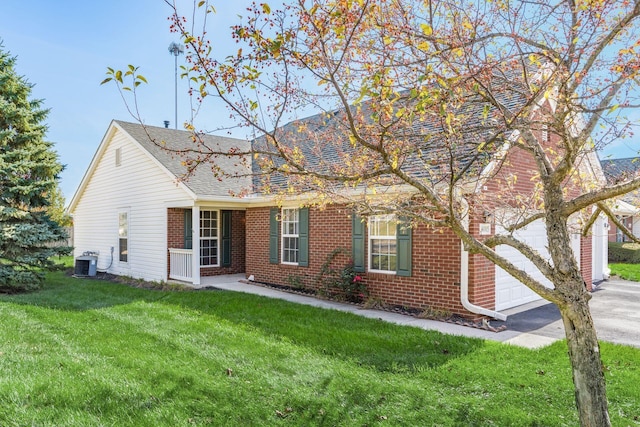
284, 235
216, 237
623, 208
195, 243
388, 237
127, 235
165, 244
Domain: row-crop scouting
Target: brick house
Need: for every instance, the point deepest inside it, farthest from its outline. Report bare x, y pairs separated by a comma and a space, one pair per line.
133, 198
418, 267
627, 209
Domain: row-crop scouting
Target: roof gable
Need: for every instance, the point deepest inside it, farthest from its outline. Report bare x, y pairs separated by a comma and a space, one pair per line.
167, 148
176, 150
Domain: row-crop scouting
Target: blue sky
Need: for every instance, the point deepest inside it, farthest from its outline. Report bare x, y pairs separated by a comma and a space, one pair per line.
64, 47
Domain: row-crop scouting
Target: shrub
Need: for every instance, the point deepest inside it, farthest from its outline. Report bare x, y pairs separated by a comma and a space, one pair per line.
624, 252
351, 285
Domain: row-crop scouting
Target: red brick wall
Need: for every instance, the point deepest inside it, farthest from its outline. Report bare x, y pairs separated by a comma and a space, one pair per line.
482, 272
175, 228
329, 229
175, 239
586, 260
175, 232
613, 230
435, 280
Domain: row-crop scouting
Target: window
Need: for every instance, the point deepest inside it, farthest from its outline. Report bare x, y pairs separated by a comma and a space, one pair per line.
290, 236
382, 244
118, 156
209, 238
123, 237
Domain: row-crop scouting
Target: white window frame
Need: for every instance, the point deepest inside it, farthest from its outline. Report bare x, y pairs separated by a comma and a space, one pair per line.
372, 234
289, 229
123, 234
209, 238
118, 156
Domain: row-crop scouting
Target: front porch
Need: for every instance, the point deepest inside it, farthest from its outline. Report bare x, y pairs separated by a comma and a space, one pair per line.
181, 264
223, 281
219, 235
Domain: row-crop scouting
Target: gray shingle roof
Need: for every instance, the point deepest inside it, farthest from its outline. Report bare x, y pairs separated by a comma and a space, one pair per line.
618, 170
324, 141
176, 150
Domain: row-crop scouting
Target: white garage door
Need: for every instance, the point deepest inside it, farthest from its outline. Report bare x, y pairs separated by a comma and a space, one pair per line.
509, 291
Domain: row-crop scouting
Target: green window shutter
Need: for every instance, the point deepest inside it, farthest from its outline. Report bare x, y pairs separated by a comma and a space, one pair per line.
273, 235
403, 260
188, 229
226, 238
303, 237
357, 243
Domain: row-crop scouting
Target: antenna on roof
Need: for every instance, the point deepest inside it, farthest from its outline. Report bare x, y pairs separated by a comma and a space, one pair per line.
176, 50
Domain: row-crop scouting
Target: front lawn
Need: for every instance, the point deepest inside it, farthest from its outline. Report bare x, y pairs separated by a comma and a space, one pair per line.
626, 271
86, 352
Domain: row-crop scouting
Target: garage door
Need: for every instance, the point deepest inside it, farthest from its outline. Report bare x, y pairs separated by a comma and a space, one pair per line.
509, 291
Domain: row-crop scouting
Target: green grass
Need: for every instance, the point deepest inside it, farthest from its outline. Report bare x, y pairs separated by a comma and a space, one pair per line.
85, 352
626, 271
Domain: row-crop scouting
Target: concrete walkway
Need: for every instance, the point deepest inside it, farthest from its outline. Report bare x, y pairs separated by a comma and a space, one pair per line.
529, 339
615, 308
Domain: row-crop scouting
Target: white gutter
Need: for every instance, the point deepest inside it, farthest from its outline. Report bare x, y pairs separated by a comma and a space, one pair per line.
464, 276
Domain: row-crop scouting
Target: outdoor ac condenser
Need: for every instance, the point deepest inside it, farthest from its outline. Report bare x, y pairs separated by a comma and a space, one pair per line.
86, 265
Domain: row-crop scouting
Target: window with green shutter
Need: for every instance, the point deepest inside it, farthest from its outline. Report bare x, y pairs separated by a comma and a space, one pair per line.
389, 244
294, 236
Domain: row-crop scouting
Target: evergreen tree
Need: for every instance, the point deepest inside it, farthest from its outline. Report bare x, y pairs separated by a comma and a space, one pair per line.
29, 170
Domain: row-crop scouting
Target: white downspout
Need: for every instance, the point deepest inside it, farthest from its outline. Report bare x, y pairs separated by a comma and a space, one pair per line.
464, 275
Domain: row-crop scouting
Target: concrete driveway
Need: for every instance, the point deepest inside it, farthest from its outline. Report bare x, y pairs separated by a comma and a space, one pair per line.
615, 308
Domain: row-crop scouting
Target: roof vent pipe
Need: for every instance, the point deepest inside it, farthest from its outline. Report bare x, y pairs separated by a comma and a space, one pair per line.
166, 124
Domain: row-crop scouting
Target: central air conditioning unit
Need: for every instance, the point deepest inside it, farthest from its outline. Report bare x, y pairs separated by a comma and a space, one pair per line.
86, 265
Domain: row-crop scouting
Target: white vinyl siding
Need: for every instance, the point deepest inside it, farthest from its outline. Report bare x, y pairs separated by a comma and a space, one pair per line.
209, 238
290, 236
382, 244
141, 185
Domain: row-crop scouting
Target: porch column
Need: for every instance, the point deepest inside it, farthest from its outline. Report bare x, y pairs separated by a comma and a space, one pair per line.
195, 259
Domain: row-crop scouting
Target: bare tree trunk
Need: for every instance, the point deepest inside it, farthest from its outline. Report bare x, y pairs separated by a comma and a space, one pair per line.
584, 353
573, 302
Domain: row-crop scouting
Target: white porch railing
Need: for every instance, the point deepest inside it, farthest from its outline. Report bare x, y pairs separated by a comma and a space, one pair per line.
180, 264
